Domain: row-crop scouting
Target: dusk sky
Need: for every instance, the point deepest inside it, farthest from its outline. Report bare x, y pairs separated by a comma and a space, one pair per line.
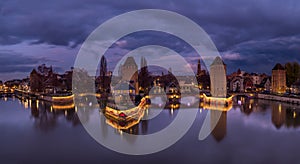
251, 35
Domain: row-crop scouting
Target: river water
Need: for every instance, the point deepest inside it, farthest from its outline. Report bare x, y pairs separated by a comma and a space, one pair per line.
252, 131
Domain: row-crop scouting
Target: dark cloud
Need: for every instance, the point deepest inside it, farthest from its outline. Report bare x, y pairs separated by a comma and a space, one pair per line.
261, 56
144, 38
139, 39
11, 62
252, 35
69, 23
54, 23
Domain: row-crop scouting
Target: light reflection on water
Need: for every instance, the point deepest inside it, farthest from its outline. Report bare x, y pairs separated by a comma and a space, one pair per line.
252, 131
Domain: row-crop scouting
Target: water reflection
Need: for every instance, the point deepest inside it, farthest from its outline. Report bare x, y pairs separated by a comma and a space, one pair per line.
285, 115
282, 114
251, 125
219, 132
218, 119
46, 114
132, 126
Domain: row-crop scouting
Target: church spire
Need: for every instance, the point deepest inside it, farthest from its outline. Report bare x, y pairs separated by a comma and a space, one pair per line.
103, 66
199, 68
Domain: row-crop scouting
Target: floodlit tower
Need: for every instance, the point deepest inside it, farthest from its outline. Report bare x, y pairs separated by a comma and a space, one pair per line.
278, 79
218, 78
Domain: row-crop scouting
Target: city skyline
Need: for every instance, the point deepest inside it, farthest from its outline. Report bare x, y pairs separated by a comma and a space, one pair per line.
137, 81
152, 70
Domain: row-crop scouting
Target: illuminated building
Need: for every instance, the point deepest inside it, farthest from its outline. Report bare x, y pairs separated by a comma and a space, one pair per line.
278, 79
130, 116
241, 81
218, 78
129, 72
218, 104
124, 94
218, 85
265, 84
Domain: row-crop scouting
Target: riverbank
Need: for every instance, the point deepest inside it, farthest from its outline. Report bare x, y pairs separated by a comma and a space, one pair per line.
57, 98
279, 98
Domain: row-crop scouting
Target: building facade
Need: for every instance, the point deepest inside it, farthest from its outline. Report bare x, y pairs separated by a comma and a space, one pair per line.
44, 79
278, 79
129, 73
218, 78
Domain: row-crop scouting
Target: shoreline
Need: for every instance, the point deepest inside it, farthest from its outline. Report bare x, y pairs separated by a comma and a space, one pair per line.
69, 98
288, 100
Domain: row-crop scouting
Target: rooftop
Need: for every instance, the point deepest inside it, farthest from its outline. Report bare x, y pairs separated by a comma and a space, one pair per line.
218, 61
130, 62
278, 66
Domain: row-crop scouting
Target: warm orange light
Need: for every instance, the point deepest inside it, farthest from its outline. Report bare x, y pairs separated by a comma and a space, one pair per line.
62, 98
129, 124
217, 107
88, 94
63, 106
218, 98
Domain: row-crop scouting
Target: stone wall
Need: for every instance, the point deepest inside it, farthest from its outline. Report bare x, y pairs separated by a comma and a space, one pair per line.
279, 98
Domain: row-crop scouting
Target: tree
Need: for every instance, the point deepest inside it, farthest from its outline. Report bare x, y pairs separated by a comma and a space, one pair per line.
82, 82
292, 72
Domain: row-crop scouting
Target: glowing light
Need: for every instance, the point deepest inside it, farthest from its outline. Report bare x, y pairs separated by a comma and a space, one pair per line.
63, 106
128, 125
279, 108
218, 98
25, 105
132, 114
218, 107
37, 104
239, 102
90, 94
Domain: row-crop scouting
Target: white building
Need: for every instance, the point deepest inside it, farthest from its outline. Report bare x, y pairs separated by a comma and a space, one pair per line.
218, 78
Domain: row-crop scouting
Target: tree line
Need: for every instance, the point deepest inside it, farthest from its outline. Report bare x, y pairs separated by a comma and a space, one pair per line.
292, 72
